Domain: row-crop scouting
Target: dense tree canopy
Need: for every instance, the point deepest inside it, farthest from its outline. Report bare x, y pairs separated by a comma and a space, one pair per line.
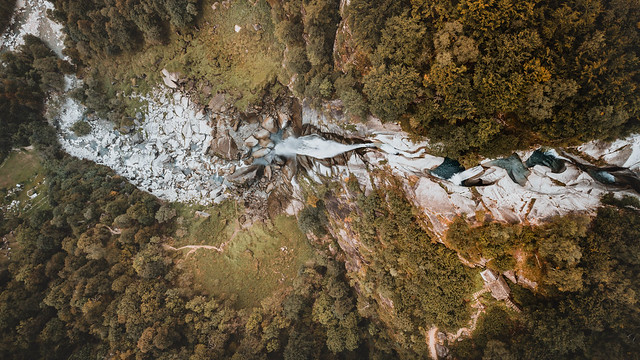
110, 27
499, 74
26, 77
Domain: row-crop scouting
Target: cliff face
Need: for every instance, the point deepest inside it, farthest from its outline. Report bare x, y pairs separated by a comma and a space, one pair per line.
399, 163
544, 194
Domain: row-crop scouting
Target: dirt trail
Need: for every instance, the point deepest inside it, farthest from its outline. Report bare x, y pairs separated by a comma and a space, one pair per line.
194, 248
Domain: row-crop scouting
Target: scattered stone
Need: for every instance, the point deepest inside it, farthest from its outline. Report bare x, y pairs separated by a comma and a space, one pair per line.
206, 90
202, 214
214, 7
169, 80
257, 27
251, 141
262, 134
267, 172
237, 28
269, 188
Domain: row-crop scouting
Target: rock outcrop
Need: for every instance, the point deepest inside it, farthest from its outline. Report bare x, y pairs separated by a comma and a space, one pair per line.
224, 147
170, 79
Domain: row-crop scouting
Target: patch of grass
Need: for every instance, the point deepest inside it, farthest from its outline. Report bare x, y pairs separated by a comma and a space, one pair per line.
239, 63
254, 264
214, 230
23, 167
20, 166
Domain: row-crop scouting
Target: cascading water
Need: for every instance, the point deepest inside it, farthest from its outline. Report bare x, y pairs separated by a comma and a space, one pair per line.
314, 146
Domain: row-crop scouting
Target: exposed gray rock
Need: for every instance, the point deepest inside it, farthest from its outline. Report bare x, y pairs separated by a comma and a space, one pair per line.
511, 276
522, 280
441, 351
202, 214
283, 119
246, 175
289, 170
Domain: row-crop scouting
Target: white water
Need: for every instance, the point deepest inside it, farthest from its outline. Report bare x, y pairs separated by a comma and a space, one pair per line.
314, 146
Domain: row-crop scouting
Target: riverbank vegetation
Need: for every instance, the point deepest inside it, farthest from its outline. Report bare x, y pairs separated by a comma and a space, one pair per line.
90, 275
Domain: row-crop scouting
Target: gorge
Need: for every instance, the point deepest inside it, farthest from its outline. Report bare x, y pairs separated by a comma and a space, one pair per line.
264, 179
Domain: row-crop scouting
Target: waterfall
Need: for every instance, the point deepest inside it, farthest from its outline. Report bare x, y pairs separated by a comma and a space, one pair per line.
314, 146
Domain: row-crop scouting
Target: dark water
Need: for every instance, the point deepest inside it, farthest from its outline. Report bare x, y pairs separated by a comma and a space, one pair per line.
540, 157
447, 169
515, 168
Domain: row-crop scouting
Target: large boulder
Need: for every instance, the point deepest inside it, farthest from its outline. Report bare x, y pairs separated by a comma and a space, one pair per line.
262, 134
246, 175
269, 124
251, 141
224, 146
261, 153
170, 79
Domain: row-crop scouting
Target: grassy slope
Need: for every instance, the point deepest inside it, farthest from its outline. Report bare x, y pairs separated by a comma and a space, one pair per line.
241, 64
19, 167
23, 167
255, 262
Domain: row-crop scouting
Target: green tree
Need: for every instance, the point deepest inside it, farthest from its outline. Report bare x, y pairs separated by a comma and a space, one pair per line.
391, 90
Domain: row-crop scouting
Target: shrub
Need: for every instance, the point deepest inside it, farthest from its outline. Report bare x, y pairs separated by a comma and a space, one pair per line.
81, 128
